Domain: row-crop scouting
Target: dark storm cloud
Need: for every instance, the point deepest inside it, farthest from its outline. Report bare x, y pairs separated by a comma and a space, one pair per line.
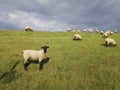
59, 14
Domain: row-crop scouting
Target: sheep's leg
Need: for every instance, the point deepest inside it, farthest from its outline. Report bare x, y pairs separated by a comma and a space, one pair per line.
40, 64
110, 44
106, 43
25, 64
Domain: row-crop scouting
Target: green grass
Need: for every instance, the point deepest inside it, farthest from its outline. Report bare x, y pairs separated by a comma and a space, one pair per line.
83, 65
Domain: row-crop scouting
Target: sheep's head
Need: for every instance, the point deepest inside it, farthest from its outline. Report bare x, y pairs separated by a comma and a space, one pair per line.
114, 44
45, 48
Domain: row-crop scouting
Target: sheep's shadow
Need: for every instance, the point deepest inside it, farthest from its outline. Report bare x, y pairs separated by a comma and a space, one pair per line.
107, 45
37, 62
104, 45
77, 39
9, 72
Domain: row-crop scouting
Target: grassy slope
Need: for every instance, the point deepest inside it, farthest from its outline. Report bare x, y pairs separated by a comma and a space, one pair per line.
84, 65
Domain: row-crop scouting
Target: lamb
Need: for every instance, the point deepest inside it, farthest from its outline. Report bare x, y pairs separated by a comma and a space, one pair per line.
28, 28
33, 55
110, 42
77, 37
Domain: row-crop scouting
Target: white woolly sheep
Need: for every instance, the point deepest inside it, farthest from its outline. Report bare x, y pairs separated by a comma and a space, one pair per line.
84, 30
111, 33
97, 31
34, 55
115, 31
106, 34
28, 28
110, 42
91, 30
102, 32
77, 37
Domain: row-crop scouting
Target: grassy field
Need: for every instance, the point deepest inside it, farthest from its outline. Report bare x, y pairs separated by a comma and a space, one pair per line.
73, 65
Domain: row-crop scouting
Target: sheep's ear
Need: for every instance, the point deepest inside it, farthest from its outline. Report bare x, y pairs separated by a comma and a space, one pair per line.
45, 47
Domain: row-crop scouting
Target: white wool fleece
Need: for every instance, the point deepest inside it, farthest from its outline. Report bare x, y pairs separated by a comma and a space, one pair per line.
110, 41
33, 55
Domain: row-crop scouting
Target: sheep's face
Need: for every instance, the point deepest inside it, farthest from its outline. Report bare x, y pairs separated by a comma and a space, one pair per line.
114, 44
45, 48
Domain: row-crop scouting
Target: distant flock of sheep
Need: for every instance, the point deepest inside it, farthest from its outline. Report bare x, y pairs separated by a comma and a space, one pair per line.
33, 55
108, 41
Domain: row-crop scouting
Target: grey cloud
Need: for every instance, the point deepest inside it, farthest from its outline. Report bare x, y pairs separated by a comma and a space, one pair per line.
59, 14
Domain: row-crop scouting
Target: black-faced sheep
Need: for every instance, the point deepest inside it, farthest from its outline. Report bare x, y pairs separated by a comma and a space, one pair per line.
33, 55
102, 32
110, 42
28, 28
77, 37
106, 34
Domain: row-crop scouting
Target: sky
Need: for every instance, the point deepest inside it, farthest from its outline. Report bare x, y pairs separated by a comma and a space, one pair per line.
58, 15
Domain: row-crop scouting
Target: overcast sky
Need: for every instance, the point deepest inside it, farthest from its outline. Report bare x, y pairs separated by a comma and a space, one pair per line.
57, 15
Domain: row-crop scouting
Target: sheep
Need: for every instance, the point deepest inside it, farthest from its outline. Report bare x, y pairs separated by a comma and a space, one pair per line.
90, 30
97, 31
77, 37
102, 32
33, 55
110, 42
84, 30
28, 28
115, 31
105, 34
111, 33
68, 29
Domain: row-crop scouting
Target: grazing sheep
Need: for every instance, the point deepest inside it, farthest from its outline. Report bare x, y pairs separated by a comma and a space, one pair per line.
115, 31
68, 29
91, 30
110, 42
77, 37
105, 34
33, 55
101, 32
84, 30
111, 33
97, 31
28, 28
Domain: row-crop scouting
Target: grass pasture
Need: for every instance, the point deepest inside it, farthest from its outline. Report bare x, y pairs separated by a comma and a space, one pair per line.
73, 65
